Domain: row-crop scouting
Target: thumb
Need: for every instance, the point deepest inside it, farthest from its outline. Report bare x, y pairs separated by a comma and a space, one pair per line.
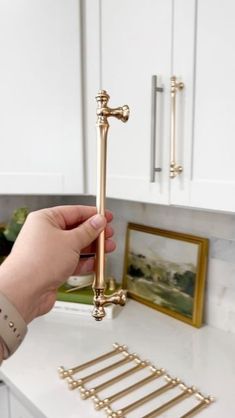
89, 230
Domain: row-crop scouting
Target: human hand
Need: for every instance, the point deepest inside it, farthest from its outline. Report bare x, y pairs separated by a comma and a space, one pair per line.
47, 251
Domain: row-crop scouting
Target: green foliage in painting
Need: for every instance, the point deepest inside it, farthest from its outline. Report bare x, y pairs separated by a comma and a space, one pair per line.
165, 283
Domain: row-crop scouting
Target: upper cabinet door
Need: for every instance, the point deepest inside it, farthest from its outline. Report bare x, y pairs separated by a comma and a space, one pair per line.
132, 44
40, 97
211, 174
193, 40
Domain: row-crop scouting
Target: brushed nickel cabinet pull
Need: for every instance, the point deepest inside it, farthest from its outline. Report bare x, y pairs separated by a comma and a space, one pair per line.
154, 91
175, 168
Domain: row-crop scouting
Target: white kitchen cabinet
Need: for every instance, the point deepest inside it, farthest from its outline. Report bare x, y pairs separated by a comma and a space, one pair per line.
15, 406
41, 134
193, 40
18, 410
212, 176
127, 43
4, 401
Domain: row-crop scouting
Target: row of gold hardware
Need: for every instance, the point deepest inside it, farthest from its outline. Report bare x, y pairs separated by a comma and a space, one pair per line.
99, 403
131, 407
91, 392
186, 392
73, 384
116, 350
138, 365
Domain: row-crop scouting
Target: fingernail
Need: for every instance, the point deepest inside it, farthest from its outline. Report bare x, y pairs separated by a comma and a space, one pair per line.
98, 221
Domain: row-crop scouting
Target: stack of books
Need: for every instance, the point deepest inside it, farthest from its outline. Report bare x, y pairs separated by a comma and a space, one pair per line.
80, 302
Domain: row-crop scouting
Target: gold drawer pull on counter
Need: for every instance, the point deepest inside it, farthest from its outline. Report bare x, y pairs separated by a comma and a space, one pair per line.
155, 374
174, 401
204, 402
140, 368
121, 413
87, 393
67, 373
73, 384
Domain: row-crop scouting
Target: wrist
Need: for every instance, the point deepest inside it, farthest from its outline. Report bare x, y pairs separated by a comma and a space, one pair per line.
16, 288
4, 352
12, 327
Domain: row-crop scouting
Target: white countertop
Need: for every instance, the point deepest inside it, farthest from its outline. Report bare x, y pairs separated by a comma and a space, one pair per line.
202, 357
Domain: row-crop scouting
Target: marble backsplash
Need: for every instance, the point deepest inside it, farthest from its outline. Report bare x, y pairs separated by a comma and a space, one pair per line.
219, 228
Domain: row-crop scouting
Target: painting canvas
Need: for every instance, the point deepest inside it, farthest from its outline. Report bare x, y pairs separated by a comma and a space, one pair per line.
166, 270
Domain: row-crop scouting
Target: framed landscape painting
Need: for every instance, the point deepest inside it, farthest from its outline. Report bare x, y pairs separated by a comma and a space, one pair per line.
166, 270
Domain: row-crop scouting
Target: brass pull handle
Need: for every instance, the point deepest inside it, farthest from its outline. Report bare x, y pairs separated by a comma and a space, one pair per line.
155, 89
117, 349
102, 125
175, 168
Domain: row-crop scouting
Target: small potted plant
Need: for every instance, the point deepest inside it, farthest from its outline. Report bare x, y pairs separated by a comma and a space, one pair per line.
9, 231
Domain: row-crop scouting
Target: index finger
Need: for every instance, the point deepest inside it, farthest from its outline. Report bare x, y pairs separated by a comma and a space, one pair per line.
72, 215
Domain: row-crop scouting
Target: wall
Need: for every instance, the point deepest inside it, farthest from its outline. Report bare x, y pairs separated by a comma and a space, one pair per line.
218, 227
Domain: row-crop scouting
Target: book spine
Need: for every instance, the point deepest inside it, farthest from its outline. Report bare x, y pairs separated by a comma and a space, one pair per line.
80, 309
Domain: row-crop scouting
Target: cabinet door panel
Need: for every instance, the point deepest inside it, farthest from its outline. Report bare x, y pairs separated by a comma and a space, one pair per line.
135, 43
40, 99
17, 409
213, 174
4, 401
183, 69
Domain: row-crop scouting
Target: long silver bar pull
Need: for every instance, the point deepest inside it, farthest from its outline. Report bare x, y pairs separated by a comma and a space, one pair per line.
154, 91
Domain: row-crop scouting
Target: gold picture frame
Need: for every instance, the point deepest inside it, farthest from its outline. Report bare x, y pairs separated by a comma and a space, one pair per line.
166, 270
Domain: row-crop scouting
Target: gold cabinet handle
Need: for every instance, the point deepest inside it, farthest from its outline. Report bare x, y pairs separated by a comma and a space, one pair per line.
103, 113
175, 168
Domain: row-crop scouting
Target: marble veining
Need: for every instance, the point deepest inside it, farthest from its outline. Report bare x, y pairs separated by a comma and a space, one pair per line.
223, 249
